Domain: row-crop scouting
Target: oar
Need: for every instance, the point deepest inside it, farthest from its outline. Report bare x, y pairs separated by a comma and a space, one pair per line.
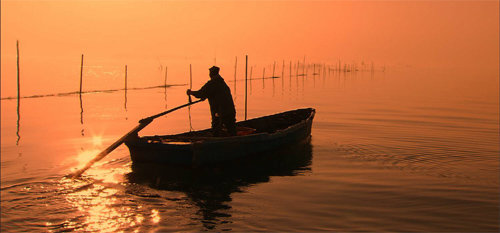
142, 123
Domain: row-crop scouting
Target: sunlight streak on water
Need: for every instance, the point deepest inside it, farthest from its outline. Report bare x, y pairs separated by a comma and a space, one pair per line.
97, 141
100, 207
83, 157
155, 217
102, 210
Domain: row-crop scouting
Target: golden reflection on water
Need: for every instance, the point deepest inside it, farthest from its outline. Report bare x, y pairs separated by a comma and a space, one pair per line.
102, 210
97, 140
155, 216
99, 203
97, 197
99, 170
84, 156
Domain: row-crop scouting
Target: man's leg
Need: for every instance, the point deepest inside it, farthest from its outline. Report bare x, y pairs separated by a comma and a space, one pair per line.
216, 126
230, 123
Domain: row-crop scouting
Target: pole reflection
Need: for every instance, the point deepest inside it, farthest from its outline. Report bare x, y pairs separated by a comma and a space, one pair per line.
18, 120
18, 95
165, 86
165, 96
81, 114
210, 188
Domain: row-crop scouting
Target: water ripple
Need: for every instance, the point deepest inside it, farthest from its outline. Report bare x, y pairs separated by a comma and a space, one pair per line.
435, 161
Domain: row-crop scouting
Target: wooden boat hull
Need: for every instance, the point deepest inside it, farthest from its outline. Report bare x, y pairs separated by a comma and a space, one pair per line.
210, 150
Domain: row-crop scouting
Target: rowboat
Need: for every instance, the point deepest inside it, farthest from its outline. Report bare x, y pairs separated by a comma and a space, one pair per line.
255, 136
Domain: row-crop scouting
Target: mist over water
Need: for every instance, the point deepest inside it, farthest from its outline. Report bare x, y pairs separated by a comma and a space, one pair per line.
452, 35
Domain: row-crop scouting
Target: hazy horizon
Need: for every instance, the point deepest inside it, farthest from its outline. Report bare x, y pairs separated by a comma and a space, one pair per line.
147, 35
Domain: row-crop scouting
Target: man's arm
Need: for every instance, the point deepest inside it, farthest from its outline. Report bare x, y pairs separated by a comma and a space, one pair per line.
202, 93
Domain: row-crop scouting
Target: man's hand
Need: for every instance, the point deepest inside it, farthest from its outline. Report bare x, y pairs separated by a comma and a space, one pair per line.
189, 92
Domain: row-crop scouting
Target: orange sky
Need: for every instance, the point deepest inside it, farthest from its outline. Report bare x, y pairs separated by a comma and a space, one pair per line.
454, 34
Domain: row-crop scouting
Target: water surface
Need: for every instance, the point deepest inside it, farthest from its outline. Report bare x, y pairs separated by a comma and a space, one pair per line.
400, 150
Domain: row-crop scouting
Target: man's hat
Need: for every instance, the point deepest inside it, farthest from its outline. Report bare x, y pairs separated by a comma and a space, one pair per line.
214, 70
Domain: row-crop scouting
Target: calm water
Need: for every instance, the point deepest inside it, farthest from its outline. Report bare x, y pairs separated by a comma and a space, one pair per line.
401, 150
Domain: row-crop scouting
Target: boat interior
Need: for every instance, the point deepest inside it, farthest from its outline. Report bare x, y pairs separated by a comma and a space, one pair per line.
266, 124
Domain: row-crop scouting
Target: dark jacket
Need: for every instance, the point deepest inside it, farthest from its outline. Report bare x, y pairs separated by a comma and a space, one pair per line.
219, 97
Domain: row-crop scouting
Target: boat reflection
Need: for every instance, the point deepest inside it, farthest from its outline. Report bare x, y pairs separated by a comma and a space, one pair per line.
210, 188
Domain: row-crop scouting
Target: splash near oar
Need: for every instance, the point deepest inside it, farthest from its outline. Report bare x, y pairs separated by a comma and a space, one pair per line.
142, 123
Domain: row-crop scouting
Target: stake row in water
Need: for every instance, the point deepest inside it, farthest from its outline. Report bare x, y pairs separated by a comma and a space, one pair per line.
338, 67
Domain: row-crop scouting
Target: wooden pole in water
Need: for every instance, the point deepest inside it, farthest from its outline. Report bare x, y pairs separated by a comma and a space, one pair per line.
263, 72
18, 73
283, 70
235, 67
190, 77
283, 76
297, 69
251, 70
125, 78
272, 77
166, 70
165, 86
274, 66
18, 96
125, 103
246, 84
81, 75
304, 66
189, 97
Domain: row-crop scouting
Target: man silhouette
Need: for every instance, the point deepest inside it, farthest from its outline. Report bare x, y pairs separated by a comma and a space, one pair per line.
221, 103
